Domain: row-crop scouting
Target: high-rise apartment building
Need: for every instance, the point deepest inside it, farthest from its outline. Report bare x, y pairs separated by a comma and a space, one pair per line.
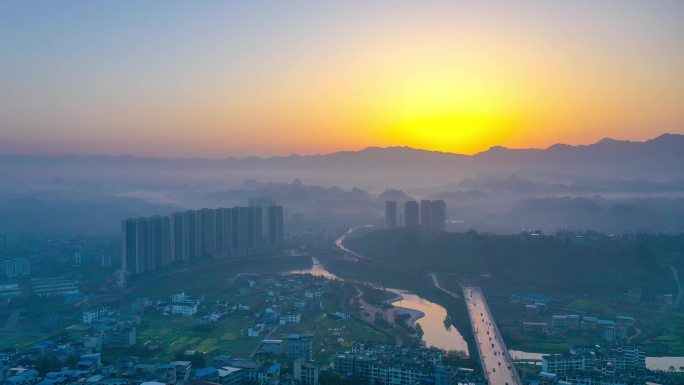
205, 232
224, 232
429, 214
438, 214
275, 225
189, 239
240, 233
254, 230
151, 243
391, 214
176, 237
425, 213
263, 202
129, 246
411, 210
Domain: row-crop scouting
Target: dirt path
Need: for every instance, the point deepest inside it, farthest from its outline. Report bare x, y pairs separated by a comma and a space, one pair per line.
13, 320
435, 282
680, 288
636, 334
254, 352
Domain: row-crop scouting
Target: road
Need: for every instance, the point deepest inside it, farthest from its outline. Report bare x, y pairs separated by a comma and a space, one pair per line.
339, 242
268, 336
637, 333
13, 320
435, 282
497, 364
340, 245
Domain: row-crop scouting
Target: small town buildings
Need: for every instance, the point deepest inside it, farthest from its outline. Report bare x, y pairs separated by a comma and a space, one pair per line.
272, 346
306, 373
299, 346
229, 375
183, 304
535, 328
290, 318
185, 308
596, 365
15, 267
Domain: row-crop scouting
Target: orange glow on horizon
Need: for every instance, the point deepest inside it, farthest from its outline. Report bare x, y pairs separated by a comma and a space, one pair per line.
444, 76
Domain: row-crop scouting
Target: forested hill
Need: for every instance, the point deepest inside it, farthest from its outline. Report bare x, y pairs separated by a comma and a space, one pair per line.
591, 264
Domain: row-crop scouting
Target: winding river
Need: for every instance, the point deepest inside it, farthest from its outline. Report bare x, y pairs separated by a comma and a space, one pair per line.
436, 334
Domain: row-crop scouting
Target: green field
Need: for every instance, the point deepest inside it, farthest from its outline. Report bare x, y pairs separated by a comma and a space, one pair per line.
40, 319
22, 339
663, 335
332, 335
161, 337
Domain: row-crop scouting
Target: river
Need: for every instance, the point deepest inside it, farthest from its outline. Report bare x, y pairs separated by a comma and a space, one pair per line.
436, 334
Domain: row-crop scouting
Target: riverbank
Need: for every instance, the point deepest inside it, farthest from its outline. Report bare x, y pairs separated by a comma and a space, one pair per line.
660, 331
447, 303
382, 302
387, 319
399, 311
444, 322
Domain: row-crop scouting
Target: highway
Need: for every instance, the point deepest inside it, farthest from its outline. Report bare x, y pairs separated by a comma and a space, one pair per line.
497, 364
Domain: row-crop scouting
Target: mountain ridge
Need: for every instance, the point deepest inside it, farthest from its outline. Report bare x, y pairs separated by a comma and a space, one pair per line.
369, 149
373, 168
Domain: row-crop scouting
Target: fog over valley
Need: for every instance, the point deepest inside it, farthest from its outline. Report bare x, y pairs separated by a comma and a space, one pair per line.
500, 190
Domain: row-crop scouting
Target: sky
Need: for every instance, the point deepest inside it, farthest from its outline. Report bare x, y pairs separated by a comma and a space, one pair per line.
228, 78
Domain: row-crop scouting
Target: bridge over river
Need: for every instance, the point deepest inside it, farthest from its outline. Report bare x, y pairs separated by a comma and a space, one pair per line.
497, 364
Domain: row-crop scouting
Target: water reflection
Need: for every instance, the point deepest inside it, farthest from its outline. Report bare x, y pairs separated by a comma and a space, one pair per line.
436, 333
449, 338
664, 363
317, 269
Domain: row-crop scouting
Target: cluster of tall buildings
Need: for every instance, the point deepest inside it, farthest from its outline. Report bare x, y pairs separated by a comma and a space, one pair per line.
151, 243
429, 214
15, 267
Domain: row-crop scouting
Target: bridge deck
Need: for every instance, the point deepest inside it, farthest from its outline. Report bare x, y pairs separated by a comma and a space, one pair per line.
497, 364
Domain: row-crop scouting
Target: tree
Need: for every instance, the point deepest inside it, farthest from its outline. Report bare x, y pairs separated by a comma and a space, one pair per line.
419, 330
72, 361
47, 363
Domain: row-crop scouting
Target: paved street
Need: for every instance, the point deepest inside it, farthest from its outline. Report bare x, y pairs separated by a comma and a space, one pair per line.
497, 364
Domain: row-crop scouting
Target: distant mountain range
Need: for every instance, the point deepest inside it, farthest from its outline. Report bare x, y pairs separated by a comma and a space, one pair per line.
658, 159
